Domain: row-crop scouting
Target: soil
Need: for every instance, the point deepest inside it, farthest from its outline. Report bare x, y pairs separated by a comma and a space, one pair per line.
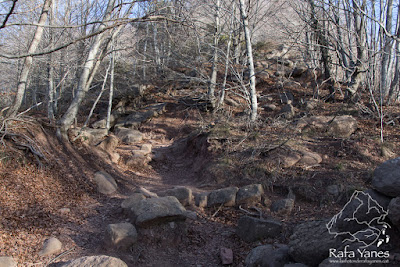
34, 196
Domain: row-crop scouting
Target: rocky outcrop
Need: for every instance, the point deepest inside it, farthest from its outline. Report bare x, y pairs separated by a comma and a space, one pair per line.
339, 127
386, 178
394, 212
96, 261
251, 229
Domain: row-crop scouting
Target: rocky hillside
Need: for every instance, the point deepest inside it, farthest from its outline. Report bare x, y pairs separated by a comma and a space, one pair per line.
175, 185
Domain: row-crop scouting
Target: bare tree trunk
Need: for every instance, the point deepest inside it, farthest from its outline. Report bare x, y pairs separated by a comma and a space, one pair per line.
360, 33
28, 60
50, 67
386, 53
111, 86
69, 116
214, 69
253, 95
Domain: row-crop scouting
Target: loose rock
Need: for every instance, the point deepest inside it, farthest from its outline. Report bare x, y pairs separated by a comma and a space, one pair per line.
121, 235
268, 256
386, 178
343, 126
249, 194
7, 262
50, 246
251, 229
226, 255
310, 243
394, 212
283, 205
132, 201
105, 183
224, 196
183, 194
129, 136
96, 261
159, 210
201, 200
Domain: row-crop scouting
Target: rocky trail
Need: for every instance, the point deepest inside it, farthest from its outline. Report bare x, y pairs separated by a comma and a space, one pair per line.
172, 185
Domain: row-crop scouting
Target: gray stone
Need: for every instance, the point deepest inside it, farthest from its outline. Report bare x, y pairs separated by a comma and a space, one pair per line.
251, 229
50, 246
132, 202
105, 183
224, 196
146, 148
269, 107
311, 104
120, 235
7, 262
249, 194
183, 194
109, 144
335, 190
283, 205
226, 255
289, 160
386, 178
103, 122
287, 111
129, 136
394, 212
201, 199
96, 261
309, 159
343, 126
159, 210
268, 256
310, 243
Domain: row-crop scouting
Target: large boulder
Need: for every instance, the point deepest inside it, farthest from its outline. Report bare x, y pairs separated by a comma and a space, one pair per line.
152, 211
386, 178
250, 194
7, 262
268, 256
394, 212
96, 261
120, 235
343, 126
129, 136
105, 183
109, 144
201, 199
251, 229
224, 196
310, 243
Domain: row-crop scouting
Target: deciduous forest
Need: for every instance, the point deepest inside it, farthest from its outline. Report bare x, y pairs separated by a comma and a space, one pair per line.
199, 133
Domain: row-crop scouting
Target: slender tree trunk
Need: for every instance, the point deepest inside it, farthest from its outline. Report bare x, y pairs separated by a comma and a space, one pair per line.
249, 49
386, 53
111, 87
214, 69
28, 60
